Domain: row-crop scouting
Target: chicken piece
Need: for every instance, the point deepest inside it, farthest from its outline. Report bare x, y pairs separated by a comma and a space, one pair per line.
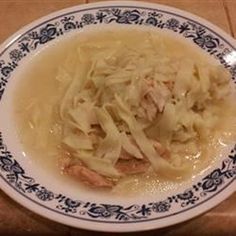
169, 85
125, 155
164, 152
88, 176
64, 161
149, 82
133, 166
149, 107
155, 94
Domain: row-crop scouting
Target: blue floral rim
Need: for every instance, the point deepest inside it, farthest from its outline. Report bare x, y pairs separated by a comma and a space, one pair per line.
14, 175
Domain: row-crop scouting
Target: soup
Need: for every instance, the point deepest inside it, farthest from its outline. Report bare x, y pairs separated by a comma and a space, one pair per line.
123, 105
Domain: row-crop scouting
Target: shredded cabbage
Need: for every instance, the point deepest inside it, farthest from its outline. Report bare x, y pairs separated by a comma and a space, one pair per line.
110, 146
121, 97
145, 144
103, 167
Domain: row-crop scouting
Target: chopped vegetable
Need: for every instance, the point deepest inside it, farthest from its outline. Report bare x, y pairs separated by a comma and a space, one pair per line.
125, 108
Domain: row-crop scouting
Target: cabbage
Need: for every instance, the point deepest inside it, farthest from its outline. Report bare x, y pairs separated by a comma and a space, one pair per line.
84, 116
130, 147
78, 141
145, 145
119, 96
110, 146
101, 166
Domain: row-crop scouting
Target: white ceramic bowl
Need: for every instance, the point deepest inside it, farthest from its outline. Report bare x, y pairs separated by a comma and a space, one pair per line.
33, 187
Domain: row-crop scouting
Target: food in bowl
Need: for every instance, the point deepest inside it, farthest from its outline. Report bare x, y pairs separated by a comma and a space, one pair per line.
123, 102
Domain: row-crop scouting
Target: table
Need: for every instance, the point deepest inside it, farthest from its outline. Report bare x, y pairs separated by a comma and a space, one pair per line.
16, 220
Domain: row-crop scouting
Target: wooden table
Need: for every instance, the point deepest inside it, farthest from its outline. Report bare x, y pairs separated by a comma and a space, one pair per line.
16, 220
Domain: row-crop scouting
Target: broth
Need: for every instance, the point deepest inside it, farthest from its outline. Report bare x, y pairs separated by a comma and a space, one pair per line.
39, 86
